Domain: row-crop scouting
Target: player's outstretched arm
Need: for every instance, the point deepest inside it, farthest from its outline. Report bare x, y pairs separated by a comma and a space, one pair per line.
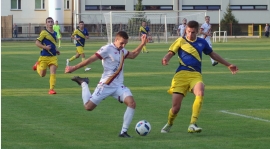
166, 58
137, 51
70, 69
231, 67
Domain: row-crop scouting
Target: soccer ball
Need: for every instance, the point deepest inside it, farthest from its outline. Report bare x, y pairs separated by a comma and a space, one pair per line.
143, 128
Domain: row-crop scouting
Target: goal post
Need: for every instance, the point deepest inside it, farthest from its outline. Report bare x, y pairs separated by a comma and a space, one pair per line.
163, 24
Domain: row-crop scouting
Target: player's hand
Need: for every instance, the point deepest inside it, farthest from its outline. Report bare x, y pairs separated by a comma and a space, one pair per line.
57, 52
69, 69
143, 38
48, 47
233, 69
164, 62
77, 38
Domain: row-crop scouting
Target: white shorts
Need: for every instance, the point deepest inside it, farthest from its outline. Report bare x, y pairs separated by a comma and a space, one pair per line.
102, 91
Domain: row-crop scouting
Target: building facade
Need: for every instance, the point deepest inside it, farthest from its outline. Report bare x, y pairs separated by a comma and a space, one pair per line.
30, 15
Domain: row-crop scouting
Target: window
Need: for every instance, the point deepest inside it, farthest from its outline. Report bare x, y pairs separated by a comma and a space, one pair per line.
104, 7
39, 4
66, 5
200, 7
37, 29
19, 30
248, 7
15, 4
157, 7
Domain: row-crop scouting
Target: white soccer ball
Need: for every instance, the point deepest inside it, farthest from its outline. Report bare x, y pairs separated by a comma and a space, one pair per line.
143, 128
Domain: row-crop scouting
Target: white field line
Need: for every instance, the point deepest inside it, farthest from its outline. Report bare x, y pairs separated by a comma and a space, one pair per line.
246, 116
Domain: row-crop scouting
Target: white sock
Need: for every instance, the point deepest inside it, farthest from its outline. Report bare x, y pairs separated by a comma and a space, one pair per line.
86, 94
212, 60
127, 119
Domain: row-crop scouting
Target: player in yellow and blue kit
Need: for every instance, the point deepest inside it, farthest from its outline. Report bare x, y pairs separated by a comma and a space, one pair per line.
188, 75
145, 30
79, 35
47, 42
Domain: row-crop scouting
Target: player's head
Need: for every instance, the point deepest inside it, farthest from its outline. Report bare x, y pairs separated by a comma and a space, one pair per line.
143, 23
184, 21
192, 30
121, 39
49, 22
207, 19
56, 22
81, 24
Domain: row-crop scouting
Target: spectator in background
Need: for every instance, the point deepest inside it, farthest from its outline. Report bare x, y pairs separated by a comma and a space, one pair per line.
182, 28
266, 30
15, 30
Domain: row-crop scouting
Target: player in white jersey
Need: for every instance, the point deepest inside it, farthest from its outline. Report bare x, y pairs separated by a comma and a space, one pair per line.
181, 29
205, 32
112, 79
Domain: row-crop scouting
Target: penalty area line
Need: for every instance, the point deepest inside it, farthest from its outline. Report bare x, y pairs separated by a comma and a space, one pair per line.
246, 116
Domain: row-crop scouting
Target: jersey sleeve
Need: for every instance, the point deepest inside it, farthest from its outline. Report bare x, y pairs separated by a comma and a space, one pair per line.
207, 49
102, 52
42, 35
75, 32
86, 32
176, 45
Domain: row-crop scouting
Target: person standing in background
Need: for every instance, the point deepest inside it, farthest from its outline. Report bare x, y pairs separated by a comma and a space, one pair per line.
15, 30
266, 30
57, 29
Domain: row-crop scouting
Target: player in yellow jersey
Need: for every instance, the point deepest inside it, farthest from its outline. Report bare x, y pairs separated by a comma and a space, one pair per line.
188, 75
57, 29
79, 35
145, 30
47, 42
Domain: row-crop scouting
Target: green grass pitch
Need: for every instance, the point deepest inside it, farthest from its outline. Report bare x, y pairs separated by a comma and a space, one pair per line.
33, 119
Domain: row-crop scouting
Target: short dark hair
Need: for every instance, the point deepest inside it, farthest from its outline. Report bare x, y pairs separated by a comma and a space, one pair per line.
81, 22
48, 18
122, 34
193, 24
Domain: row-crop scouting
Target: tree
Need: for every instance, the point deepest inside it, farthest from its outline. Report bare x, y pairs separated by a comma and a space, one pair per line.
229, 23
135, 22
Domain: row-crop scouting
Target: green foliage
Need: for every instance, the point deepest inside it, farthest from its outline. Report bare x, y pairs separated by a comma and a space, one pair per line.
229, 23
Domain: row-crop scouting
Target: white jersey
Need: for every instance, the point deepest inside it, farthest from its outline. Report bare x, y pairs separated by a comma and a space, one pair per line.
182, 29
206, 28
113, 64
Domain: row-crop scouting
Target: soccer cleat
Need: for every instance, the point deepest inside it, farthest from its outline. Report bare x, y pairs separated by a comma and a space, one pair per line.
51, 91
67, 62
194, 128
87, 69
166, 128
215, 63
124, 135
80, 80
35, 66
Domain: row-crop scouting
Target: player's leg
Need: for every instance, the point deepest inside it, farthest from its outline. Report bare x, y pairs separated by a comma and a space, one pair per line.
53, 66
124, 95
198, 91
77, 55
83, 58
59, 42
41, 66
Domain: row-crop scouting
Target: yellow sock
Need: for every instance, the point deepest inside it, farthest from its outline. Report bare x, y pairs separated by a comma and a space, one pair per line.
144, 49
83, 60
72, 58
59, 43
171, 117
52, 81
196, 108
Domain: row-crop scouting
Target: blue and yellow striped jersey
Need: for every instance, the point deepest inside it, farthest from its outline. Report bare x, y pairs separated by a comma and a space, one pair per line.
48, 38
144, 30
80, 34
190, 53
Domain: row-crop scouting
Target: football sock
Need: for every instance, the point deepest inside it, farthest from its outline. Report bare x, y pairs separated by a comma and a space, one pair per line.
86, 94
52, 81
72, 58
59, 43
83, 60
127, 119
196, 108
212, 61
171, 117
144, 49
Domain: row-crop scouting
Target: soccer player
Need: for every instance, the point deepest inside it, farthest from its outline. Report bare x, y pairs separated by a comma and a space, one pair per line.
112, 80
188, 75
205, 32
47, 42
57, 29
182, 27
145, 30
80, 34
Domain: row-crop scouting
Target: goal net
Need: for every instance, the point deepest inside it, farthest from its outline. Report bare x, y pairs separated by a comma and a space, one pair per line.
163, 25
